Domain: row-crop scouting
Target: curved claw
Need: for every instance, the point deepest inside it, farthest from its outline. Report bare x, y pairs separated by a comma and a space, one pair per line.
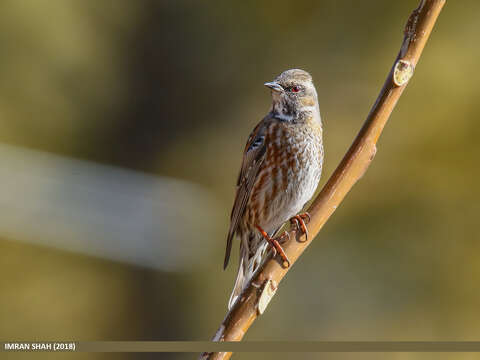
286, 263
305, 216
274, 250
299, 221
284, 237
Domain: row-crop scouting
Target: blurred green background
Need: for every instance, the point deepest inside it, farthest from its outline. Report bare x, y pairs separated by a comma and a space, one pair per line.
106, 106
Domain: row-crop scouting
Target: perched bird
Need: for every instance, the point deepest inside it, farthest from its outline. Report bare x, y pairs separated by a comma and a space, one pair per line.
281, 168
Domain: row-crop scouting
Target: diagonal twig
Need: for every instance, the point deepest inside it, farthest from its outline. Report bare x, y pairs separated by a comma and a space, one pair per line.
256, 296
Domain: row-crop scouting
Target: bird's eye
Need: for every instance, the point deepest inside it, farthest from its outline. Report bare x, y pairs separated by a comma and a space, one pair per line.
295, 89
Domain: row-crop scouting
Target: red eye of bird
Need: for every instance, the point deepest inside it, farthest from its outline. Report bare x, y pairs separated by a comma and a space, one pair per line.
295, 89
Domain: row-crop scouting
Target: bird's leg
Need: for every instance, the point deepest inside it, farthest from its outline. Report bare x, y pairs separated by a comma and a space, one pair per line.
300, 224
276, 247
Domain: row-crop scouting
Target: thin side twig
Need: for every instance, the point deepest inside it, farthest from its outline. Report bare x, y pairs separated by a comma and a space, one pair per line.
256, 296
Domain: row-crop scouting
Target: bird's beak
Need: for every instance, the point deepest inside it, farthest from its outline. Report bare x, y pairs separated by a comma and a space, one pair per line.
274, 86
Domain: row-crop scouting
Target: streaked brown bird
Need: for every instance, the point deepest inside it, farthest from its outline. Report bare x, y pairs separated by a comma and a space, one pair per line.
281, 168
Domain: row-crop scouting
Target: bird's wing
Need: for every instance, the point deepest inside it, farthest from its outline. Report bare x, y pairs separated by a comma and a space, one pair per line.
253, 157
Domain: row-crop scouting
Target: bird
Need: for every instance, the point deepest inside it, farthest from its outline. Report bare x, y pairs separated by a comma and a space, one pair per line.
280, 171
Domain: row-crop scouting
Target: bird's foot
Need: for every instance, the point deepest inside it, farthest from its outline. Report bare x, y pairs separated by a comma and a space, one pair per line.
283, 238
277, 248
299, 222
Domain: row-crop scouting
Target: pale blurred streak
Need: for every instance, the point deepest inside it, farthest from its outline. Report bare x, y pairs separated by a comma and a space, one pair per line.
104, 211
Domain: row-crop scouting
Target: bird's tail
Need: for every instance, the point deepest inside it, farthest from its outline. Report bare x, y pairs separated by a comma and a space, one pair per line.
246, 268
238, 287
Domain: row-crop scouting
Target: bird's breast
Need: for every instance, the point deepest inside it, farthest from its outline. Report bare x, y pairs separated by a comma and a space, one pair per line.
289, 174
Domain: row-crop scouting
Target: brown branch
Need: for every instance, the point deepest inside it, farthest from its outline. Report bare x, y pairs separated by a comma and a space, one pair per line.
256, 296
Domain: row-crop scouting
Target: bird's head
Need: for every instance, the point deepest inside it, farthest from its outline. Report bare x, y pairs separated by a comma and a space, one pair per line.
293, 95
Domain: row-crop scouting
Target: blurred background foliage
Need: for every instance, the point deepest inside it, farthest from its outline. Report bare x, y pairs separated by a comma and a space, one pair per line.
172, 89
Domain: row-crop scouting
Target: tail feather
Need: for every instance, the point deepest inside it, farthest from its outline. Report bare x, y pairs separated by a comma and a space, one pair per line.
246, 268
238, 287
